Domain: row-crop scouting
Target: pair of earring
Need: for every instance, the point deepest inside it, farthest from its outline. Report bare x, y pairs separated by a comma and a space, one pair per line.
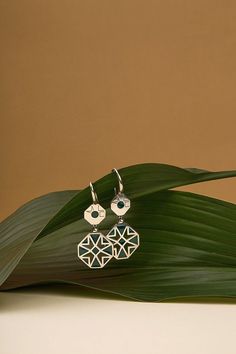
96, 249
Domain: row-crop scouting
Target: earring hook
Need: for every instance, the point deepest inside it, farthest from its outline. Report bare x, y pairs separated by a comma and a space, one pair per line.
121, 186
94, 194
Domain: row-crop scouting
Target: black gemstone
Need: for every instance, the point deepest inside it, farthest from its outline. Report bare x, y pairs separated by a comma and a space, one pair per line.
120, 204
94, 214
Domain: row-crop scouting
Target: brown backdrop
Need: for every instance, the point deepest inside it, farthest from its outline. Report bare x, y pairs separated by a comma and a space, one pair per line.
88, 85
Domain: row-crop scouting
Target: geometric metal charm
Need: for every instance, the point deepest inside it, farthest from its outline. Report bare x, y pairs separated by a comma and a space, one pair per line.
125, 240
94, 214
95, 250
120, 204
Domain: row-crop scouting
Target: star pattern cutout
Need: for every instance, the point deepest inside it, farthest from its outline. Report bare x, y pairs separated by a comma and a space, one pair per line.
125, 240
95, 250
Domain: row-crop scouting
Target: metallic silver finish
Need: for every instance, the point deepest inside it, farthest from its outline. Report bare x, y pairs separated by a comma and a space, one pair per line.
95, 213
94, 194
125, 240
91, 211
120, 200
120, 204
121, 186
95, 250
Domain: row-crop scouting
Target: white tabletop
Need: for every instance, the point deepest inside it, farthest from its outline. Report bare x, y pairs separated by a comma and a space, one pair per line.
71, 320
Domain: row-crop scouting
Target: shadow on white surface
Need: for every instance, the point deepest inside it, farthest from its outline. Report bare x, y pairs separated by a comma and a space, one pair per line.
42, 296
24, 298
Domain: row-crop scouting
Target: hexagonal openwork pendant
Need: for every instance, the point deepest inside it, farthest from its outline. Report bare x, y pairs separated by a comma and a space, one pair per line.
125, 240
95, 250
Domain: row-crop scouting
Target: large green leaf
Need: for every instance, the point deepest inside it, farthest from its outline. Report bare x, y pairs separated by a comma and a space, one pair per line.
19, 230
188, 242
